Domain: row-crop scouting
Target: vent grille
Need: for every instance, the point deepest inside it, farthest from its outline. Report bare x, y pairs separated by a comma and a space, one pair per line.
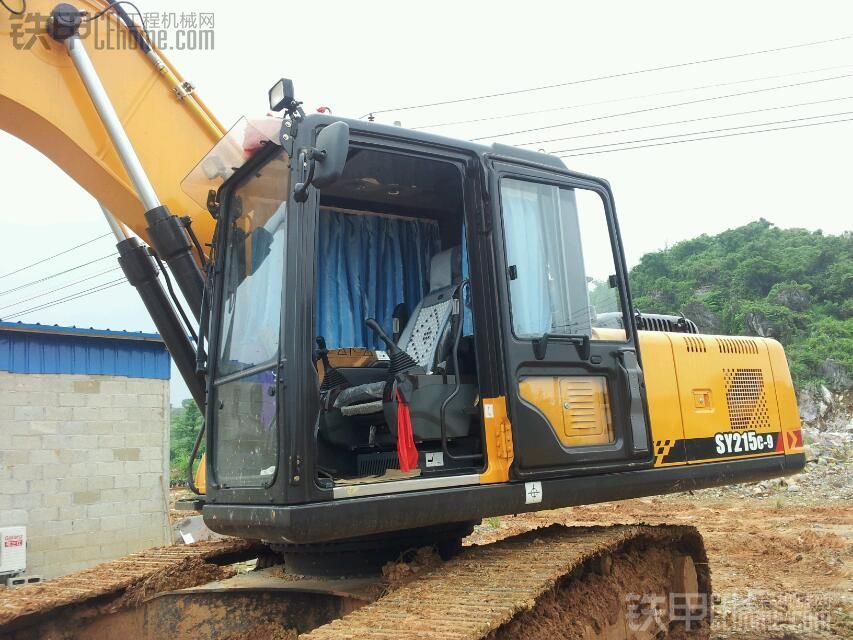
376, 464
586, 410
737, 346
746, 399
660, 322
695, 345
583, 407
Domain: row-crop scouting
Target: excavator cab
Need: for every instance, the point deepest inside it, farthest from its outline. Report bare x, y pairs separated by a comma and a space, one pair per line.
408, 333
372, 333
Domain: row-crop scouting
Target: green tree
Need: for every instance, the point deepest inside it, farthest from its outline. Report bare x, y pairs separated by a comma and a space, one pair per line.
790, 284
185, 425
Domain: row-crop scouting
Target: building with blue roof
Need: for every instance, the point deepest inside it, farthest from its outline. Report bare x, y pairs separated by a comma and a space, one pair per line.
84, 443
37, 348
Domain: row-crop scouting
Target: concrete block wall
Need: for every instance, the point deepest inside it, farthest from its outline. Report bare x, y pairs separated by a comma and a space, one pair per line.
84, 465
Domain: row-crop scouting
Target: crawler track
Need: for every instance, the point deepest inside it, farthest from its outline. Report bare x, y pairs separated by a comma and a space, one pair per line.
570, 583
105, 583
483, 590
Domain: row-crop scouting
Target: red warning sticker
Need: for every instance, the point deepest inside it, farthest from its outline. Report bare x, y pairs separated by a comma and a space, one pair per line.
794, 439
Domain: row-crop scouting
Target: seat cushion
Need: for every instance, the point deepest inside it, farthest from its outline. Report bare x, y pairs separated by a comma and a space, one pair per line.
360, 394
375, 406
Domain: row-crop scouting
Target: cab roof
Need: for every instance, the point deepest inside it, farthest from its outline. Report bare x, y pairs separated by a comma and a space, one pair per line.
376, 129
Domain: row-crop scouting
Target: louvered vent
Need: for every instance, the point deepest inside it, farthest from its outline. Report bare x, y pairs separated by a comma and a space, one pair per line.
746, 400
586, 411
583, 410
695, 345
737, 346
661, 322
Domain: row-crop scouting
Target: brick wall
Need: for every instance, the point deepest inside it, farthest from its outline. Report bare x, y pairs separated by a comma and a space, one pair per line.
84, 466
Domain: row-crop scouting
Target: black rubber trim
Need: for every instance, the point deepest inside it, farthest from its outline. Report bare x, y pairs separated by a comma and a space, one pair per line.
353, 517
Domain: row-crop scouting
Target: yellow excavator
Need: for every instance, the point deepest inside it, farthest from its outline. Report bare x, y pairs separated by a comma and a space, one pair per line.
392, 335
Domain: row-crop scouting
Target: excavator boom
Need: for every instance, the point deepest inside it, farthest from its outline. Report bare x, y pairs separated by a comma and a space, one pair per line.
44, 103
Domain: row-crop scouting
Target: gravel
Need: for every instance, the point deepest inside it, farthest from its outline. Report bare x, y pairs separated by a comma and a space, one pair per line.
828, 475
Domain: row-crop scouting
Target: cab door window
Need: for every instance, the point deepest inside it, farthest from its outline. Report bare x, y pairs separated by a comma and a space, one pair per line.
560, 261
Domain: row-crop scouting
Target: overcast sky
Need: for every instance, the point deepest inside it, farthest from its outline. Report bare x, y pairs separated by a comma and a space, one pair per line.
360, 57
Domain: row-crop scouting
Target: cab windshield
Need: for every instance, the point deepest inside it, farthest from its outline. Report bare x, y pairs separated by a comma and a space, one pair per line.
247, 352
254, 266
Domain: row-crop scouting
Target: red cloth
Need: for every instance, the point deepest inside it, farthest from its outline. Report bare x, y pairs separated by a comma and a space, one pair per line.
406, 451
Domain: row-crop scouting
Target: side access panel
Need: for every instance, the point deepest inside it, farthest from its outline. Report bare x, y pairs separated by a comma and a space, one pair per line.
727, 397
663, 399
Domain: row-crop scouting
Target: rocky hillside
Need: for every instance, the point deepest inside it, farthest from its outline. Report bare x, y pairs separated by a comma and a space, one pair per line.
790, 284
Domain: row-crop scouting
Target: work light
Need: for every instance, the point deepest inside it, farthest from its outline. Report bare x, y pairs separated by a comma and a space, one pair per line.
282, 95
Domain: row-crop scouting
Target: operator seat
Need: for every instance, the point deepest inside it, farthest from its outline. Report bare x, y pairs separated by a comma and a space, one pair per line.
353, 413
425, 338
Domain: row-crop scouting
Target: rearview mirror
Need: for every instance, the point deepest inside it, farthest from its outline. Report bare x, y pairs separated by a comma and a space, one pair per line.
326, 160
332, 144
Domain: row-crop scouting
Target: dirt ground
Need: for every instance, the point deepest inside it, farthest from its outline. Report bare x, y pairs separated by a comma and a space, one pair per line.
780, 551
781, 562
778, 570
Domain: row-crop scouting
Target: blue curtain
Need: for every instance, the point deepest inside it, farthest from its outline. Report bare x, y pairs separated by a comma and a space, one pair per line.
367, 265
525, 248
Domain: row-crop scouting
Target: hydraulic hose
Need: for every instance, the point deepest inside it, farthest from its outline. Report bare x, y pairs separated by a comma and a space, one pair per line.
180, 88
131, 26
141, 271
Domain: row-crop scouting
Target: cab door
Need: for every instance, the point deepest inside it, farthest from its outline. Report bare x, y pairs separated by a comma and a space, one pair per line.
574, 383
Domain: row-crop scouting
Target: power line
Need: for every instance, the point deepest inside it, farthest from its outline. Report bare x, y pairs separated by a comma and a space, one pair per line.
69, 298
65, 286
665, 106
699, 133
55, 255
609, 76
629, 98
58, 273
728, 135
674, 122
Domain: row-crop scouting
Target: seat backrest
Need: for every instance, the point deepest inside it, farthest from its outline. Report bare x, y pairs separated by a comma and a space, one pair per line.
429, 325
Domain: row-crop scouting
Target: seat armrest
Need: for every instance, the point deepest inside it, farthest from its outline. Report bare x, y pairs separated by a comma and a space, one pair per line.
363, 375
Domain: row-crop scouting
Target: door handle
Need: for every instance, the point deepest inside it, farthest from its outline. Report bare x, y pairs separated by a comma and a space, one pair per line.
630, 369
